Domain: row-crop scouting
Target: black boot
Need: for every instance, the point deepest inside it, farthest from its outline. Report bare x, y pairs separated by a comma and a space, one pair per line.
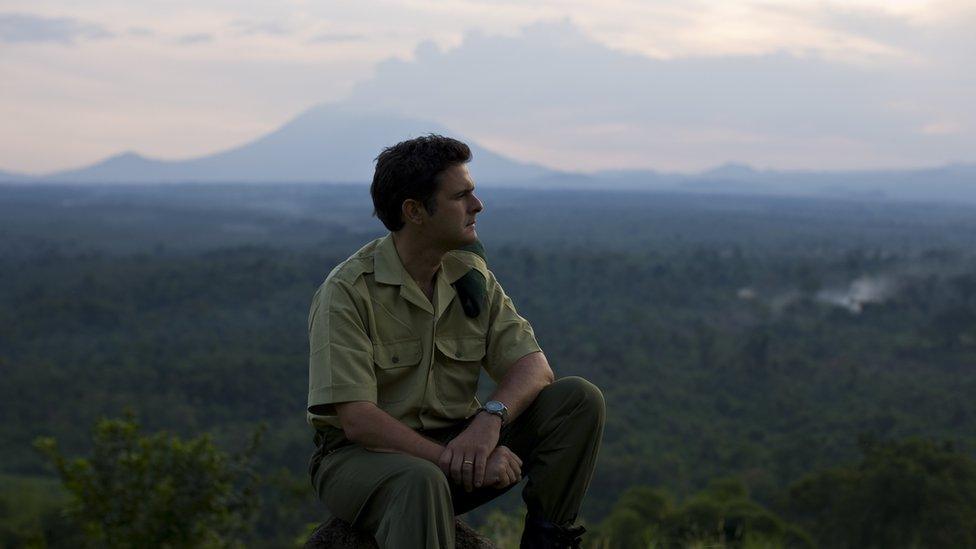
542, 534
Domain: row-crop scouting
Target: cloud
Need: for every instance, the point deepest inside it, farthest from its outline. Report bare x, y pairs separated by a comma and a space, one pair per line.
140, 31
610, 84
195, 38
24, 27
331, 37
272, 28
875, 31
553, 94
942, 128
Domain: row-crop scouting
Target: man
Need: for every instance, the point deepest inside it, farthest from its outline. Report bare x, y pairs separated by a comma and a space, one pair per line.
398, 334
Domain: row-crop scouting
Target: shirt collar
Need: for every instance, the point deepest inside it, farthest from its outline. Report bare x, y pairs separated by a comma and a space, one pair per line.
388, 268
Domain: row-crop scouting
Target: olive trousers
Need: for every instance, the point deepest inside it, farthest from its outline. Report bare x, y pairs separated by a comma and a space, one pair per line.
408, 502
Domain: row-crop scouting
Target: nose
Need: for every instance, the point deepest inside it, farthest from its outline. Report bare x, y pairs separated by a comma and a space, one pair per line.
478, 204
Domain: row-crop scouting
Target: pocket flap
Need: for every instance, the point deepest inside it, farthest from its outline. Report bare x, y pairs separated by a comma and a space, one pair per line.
397, 354
462, 348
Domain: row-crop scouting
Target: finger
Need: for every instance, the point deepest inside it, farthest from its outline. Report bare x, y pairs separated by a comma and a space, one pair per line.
512, 455
511, 461
445, 461
501, 478
516, 473
516, 458
480, 463
456, 462
467, 471
516, 468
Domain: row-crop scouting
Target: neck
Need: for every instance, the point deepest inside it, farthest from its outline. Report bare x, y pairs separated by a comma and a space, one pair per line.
419, 258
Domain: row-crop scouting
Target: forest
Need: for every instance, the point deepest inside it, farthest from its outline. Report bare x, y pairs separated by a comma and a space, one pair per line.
779, 372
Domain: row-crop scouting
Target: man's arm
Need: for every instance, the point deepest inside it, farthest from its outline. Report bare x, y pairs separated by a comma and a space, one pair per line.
517, 390
522, 383
365, 424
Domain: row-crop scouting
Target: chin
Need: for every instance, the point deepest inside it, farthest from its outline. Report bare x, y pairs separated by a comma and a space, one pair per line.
466, 240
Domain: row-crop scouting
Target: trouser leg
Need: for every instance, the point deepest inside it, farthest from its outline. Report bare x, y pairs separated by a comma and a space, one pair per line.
558, 437
407, 501
403, 500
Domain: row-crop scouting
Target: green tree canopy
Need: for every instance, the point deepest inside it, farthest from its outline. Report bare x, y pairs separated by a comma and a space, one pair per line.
722, 515
914, 493
157, 490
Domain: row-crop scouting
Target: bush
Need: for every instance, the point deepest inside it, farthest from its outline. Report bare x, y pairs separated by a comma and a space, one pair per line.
913, 493
157, 490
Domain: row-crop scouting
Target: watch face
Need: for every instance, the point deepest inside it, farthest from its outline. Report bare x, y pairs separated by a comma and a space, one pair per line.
494, 406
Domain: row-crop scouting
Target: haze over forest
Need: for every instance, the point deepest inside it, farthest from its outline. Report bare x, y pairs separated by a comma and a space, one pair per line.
748, 346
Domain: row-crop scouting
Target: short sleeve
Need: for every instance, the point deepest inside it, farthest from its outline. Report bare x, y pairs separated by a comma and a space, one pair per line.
340, 361
510, 337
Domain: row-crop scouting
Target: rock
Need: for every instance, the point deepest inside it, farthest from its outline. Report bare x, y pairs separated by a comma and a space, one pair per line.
337, 534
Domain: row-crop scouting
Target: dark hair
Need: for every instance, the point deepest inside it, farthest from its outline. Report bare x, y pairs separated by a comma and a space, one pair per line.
409, 170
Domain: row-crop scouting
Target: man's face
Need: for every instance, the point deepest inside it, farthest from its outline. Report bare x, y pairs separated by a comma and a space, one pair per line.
453, 223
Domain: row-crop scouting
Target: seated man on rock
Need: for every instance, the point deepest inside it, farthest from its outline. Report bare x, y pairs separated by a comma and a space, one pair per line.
398, 335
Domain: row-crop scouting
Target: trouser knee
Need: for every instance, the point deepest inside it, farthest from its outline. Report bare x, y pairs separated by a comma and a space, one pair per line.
583, 394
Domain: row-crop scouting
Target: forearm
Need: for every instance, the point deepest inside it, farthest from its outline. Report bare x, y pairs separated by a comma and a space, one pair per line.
522, 383
374, 429
517, 389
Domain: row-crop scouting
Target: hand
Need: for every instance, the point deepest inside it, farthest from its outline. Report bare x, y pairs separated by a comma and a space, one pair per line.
465, 457
504, 468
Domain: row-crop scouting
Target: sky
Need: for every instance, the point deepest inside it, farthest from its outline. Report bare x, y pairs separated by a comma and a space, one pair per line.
571, 84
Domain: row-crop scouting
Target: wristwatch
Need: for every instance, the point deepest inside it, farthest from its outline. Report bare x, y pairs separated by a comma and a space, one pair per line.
496, 408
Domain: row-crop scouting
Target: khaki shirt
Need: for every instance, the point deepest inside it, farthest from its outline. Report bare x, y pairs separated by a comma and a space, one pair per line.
374, 336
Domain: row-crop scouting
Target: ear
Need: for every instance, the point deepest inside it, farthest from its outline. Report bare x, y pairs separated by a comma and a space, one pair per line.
413, 211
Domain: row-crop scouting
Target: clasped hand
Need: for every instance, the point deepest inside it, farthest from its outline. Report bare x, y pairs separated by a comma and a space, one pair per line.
473, 460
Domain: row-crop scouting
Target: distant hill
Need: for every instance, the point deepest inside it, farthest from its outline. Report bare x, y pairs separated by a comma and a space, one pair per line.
325, 143
731, 171
337, 143
13, 177
953, 183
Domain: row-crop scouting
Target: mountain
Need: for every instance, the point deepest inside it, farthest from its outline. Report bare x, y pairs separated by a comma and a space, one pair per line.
12, 177
337, 143
952, 183
325, 143
731, 171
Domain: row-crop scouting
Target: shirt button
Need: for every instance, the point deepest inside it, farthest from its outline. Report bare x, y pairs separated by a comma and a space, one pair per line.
396, 359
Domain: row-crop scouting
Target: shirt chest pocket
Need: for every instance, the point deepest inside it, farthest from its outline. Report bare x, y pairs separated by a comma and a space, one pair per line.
458, 367
396, 369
